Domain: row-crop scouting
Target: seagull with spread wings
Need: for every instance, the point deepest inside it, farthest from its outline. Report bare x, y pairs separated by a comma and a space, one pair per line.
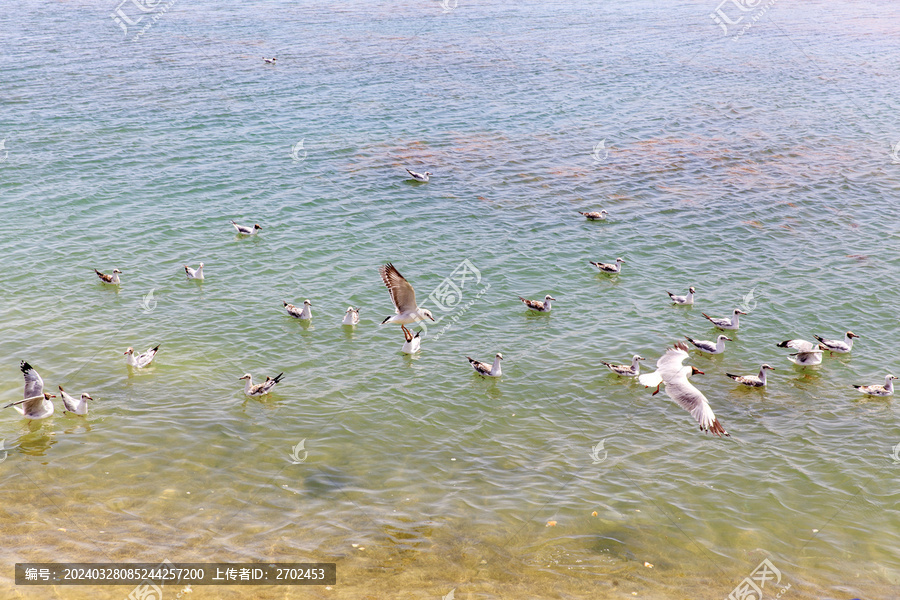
37, 403
404, 297
671, 371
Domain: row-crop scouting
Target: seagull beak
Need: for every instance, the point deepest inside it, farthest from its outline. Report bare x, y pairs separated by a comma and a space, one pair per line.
699, 372
432, 318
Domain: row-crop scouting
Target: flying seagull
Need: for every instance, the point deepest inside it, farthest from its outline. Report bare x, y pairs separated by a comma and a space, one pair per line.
37, 403
404, 298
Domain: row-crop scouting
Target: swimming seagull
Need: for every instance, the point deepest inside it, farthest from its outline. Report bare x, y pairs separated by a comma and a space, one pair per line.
632, 370
260, 389
732, 323
37, 403
486, 369
194, 273
613, 268
403, 296
413, 342
594, 216
841, 346
351, 317
689, 299
807, 353
110, 279
537, 305
305, 313
423, 177
77, 407
270, 61
717, 347
671, 372
879, 390
753, 380
141, 360
243, 230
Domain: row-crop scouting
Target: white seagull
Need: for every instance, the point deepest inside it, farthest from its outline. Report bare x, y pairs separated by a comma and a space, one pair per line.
732, 323
689, 299
753, 380
879, 390
270, 61
351, 317
632, 370
404, 298
537, 305
75, 406
260, 389
141, 360
423, 177
671, 372
486, 369
305, 313
110, 279
840, 346
243, 230
194, 273
717, 347
594, 216
807, 354
413, 342
611, 268
37, 403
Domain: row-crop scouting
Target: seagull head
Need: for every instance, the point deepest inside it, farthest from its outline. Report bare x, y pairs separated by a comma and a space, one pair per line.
130, 350
638, 357
691, 289
850, 334
307, 303
620, 260
48, 396
86, 396
201, 265
247, 377
349, 309
116, 271
256, 226
549, 297
891, 377
603, 212
696, 371
428, 314
738, 311
500, 356
767, 367
724, 337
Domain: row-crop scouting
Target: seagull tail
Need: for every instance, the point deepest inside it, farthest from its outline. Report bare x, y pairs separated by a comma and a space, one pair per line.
858, 386
386, 319
707, 316
472, 360
735, 377
784, 344
605, 363
156, 348
278, 377
671, 295
818, 338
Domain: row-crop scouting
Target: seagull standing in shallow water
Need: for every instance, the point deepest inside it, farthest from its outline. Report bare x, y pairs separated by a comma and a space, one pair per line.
260, 389
194, 273
611, 268
486, 369
807, 354
632, 370
404, 298
840, 346
537, 305
37, 403
879, 390
594, 216
671, 372
421, 177
142, 360
732, 323
689, 299
242, 230
753, 380
75, 406
110, 279
304, 314
413, 342
717, 347
351, 317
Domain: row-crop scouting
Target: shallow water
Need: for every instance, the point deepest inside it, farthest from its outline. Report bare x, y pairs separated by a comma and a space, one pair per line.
757, 169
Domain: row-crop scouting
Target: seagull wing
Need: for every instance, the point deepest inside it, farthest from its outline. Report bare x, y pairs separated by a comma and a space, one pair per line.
34, 385
801, 345
670, 363
688, 397
402, 294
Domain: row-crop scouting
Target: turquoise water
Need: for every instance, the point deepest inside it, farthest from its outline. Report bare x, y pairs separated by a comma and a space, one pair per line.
756, 168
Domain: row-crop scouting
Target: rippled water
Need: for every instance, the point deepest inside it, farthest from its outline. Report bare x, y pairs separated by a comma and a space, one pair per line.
756, 168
